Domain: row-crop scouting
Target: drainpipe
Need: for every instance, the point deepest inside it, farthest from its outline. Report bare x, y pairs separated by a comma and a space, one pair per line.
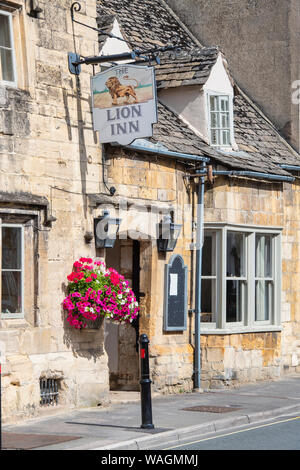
290, 167
199, 244
166, 153
251, 174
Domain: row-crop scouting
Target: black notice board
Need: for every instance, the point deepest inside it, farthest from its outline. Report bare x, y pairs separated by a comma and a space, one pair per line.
175, 301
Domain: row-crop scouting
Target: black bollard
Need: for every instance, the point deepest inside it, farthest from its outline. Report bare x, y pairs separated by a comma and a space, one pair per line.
145, 382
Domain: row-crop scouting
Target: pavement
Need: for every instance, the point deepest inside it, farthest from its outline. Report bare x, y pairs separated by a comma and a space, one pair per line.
176, 418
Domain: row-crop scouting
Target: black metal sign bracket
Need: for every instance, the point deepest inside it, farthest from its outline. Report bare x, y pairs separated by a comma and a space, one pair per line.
139, 56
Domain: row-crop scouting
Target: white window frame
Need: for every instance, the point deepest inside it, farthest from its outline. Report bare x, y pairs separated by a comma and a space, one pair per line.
248, 321
214, 277
13, 51
270, 280
4, 315
243, 279
231, 129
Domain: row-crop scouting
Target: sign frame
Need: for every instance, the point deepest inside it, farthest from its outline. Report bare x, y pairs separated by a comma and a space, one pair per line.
167, 287
111, 112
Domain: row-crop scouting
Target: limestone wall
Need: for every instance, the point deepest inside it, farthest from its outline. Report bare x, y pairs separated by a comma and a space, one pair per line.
229, 358
48, 149
158, 183
50, 162
235, 358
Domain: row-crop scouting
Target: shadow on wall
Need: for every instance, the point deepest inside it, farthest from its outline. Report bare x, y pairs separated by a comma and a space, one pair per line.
88, 342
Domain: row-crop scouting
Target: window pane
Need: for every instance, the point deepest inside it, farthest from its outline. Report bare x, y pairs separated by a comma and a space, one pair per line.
208, 297
11, 292
224, 104
225, 137
209, 255
214, 103
225, 120
234, 300
214, 137
4, 31
6, 68
263, 265
263, 300
215, 120
11, 248
235, 254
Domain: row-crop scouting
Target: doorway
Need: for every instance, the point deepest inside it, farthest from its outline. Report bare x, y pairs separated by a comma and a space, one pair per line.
121, 341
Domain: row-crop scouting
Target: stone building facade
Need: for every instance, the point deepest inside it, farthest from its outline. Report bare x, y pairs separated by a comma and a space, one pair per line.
240, 200
50, 161
262, 37
56, 179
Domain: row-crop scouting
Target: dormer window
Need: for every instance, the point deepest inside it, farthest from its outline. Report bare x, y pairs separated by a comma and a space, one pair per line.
220, 122
7, 53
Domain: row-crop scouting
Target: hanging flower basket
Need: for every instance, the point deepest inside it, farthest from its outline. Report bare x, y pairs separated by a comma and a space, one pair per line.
95, 292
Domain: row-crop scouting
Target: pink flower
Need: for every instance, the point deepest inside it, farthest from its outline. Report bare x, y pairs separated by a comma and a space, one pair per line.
86, 303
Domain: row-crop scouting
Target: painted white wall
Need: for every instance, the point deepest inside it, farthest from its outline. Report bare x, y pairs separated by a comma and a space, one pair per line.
114, 46
218, 80
189, 103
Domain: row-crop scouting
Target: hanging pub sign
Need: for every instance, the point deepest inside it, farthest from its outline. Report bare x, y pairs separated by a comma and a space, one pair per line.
124, 103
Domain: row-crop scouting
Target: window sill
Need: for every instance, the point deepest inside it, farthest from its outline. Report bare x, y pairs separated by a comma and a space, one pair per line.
240, 330
4, 84
8, 323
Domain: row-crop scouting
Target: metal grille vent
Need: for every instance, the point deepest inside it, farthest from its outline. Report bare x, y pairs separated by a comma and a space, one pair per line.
49, 391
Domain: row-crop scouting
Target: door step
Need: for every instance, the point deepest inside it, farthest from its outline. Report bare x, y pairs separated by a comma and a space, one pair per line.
124, 396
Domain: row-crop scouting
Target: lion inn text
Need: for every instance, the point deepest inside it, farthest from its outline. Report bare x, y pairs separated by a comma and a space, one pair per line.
127, 115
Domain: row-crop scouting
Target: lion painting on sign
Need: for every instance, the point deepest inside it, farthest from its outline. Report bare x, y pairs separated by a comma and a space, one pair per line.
117, 90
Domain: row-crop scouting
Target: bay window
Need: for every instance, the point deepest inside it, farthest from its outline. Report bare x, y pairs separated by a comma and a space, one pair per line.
241, 277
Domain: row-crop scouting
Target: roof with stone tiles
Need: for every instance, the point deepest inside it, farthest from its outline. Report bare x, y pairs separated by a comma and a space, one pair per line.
256, 136
176, 136
144, 23
150, 23
191, 67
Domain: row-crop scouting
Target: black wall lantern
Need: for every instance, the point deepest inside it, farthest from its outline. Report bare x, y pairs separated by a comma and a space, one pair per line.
105, 230
168, 234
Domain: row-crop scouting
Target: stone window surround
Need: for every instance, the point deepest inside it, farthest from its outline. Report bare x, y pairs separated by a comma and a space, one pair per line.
27, 219
249, 325
21, 270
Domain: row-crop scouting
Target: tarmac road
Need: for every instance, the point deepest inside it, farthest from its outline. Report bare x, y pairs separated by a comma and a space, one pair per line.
282, 434
178, 419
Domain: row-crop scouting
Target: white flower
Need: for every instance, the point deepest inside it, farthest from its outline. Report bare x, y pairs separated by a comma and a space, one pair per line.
119, 296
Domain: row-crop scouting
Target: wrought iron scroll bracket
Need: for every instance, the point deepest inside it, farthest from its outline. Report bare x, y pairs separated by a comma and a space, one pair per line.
140, 56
